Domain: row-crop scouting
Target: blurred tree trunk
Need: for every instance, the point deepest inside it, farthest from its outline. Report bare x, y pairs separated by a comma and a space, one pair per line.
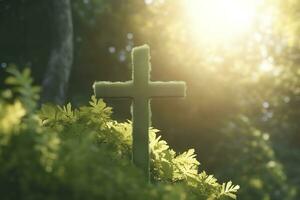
61, 53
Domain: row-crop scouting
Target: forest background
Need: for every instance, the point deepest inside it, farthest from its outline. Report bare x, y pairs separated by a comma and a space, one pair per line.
242, 107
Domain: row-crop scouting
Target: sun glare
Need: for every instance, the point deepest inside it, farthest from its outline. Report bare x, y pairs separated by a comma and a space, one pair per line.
220, 19
266, 66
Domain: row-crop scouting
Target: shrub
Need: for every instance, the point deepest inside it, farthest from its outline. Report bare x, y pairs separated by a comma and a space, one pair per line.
255, 165
64, 153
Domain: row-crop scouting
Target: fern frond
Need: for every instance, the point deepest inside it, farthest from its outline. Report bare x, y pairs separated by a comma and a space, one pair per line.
230, 190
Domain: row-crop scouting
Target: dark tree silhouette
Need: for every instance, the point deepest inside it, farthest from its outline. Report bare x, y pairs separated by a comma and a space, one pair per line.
61, 53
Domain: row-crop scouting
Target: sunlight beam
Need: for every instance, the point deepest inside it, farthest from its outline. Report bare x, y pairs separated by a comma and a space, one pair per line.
220, 19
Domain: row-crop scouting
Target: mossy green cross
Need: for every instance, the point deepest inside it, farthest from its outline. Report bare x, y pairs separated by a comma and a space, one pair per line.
141, 90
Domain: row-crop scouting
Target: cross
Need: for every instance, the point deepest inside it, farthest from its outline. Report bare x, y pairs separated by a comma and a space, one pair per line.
140, 89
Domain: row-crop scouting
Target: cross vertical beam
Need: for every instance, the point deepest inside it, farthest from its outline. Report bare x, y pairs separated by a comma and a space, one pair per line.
141, 67
140, 90
141, 109
140, 134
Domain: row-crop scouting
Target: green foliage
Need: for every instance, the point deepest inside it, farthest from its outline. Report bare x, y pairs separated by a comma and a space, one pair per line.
224, 80
64, 153
255, 165
22, 83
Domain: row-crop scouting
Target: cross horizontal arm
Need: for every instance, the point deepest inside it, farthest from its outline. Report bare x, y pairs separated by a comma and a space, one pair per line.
167, 89
113, 89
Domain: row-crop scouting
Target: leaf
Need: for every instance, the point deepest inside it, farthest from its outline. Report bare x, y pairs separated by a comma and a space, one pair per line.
228, 189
